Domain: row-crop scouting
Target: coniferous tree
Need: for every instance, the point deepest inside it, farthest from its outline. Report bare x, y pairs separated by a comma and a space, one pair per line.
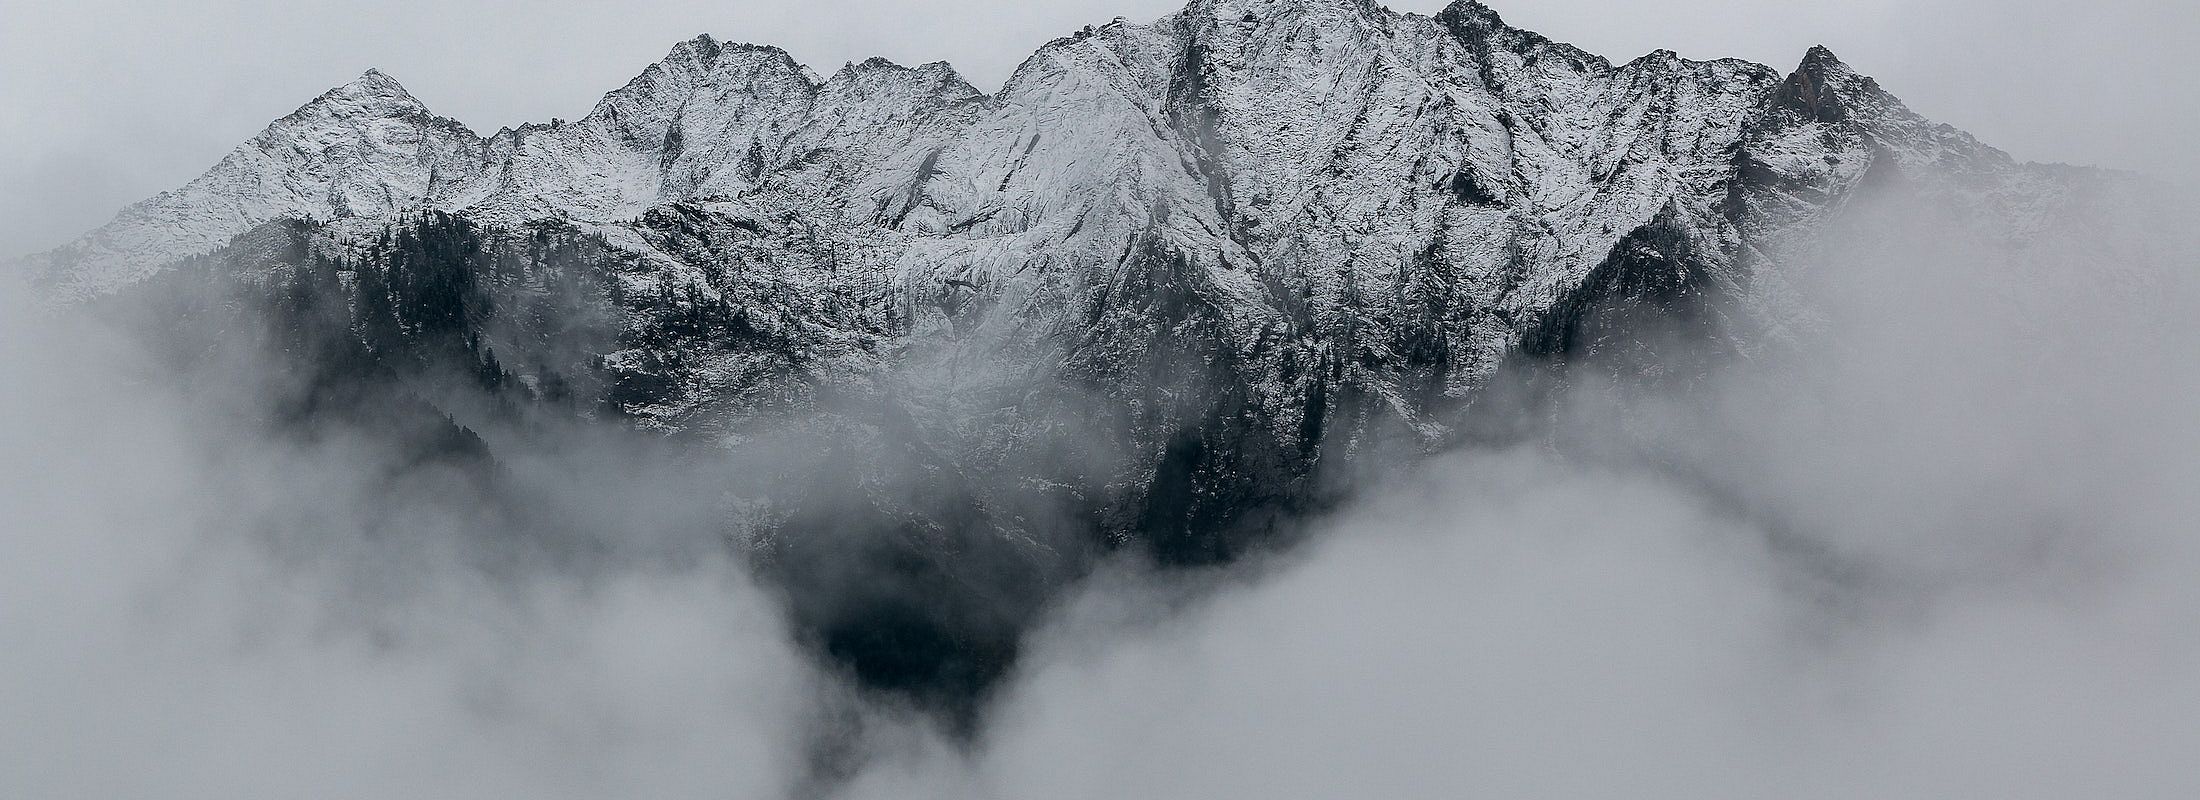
378, 324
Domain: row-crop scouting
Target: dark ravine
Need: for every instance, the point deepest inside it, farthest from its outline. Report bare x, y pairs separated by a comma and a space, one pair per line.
1169, 291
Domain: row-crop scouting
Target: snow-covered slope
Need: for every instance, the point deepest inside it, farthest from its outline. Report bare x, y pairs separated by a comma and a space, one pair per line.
1342, 214
362, 153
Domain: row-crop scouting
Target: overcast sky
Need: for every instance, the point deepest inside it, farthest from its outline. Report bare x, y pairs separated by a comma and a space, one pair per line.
103, 102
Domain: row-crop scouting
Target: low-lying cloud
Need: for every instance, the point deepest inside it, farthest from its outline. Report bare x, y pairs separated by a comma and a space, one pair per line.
1939, 547
193, 609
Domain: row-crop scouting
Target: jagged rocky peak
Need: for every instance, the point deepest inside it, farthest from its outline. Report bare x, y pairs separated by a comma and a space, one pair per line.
374, 95
1472, 12
704, 72
1285, 12
882, 78
1825, 89
1288, 40
1821, 64
1293, 133
373, 89
1481, 29
374, 104
704, 48
1816, 88
1826, 93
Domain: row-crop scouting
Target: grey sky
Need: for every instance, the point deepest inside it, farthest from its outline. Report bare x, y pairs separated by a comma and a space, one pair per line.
103, 102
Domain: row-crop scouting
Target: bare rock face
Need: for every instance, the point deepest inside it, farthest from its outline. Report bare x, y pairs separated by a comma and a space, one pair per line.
1153, 290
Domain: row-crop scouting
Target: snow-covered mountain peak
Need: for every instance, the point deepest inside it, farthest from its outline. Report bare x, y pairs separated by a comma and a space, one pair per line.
1466, 10
704, 47
1820, 60
374, 87
1256, 12
706, 70
1819, 84
871, 76
373, 96
354, 157
1333, 141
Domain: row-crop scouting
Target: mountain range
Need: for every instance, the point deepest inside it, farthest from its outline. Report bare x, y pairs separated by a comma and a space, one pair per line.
1168, 289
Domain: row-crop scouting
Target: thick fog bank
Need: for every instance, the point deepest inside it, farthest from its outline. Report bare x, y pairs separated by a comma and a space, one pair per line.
1935, 542
194, 607
1939, 543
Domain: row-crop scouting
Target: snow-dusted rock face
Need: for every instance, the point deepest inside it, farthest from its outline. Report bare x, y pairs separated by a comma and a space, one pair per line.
360, 154
1261, 227
1154, 292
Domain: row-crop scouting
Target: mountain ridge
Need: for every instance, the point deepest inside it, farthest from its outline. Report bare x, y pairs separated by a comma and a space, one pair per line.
1344, 196
124, 248
1165, 290
1405, 197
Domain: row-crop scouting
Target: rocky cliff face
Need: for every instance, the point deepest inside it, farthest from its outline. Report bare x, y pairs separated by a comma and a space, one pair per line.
1153, 292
